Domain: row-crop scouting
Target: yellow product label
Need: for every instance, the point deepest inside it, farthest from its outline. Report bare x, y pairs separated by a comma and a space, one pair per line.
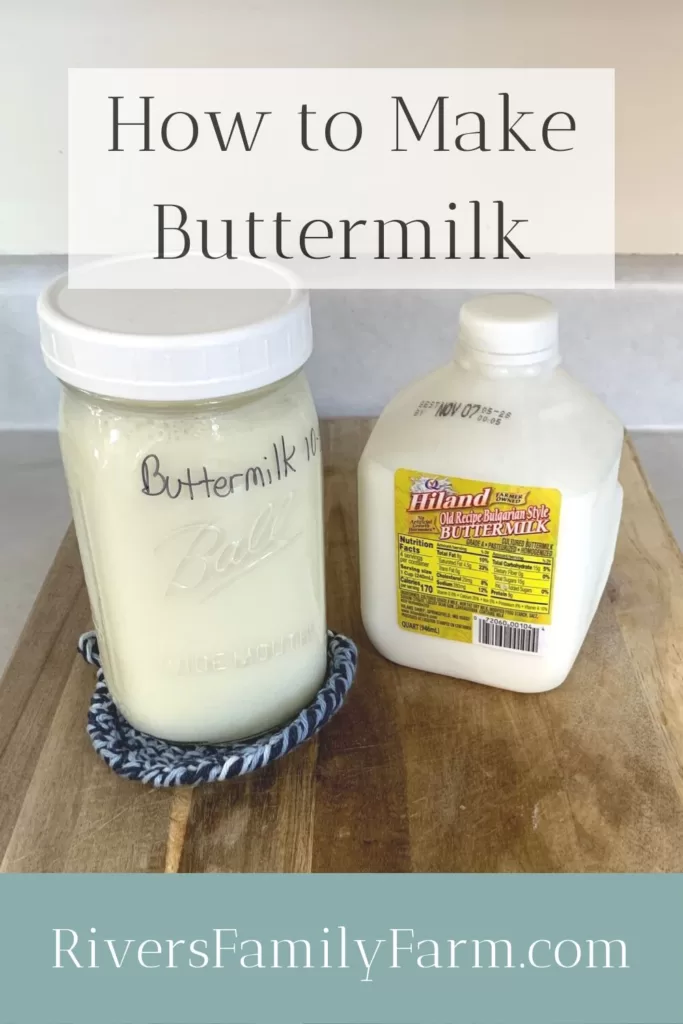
476, 559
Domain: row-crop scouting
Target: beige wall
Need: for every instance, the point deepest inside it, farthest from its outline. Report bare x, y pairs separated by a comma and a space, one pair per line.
642, 39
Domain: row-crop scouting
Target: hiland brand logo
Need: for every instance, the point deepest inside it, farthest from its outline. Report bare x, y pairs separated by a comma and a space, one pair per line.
434, 494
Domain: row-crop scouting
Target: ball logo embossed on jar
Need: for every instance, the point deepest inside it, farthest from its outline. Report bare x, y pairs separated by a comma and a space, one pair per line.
212, 558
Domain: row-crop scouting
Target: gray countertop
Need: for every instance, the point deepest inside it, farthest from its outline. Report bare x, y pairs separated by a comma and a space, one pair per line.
34, 511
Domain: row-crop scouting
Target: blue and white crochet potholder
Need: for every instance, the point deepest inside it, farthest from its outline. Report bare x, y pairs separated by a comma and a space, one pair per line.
137, 755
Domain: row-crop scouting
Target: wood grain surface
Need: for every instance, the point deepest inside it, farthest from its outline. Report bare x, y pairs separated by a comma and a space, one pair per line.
416, 773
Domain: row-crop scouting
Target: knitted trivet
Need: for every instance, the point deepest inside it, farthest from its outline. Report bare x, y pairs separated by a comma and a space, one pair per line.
144, 758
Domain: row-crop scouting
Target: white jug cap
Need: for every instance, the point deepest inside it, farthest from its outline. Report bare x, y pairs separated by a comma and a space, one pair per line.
175, 345
509, 325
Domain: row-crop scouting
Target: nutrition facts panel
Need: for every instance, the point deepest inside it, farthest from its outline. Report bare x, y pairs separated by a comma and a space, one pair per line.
472, 573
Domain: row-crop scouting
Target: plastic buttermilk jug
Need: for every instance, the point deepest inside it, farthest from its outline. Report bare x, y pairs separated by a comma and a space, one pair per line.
191, 448
489, 507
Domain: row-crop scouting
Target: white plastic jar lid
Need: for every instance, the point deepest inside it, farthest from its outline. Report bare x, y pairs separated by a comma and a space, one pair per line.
177, 345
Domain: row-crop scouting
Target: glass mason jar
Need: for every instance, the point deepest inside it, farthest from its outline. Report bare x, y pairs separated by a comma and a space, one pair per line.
194, 469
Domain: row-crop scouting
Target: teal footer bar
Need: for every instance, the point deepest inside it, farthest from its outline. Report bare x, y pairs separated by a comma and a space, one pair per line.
341, 949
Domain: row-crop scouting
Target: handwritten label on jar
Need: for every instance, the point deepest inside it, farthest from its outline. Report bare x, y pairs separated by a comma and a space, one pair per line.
279, 463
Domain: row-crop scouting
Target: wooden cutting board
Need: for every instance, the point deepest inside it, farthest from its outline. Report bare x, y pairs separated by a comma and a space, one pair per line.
416, 773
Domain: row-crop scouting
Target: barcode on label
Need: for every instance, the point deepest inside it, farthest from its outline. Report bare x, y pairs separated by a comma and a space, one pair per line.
511, 636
